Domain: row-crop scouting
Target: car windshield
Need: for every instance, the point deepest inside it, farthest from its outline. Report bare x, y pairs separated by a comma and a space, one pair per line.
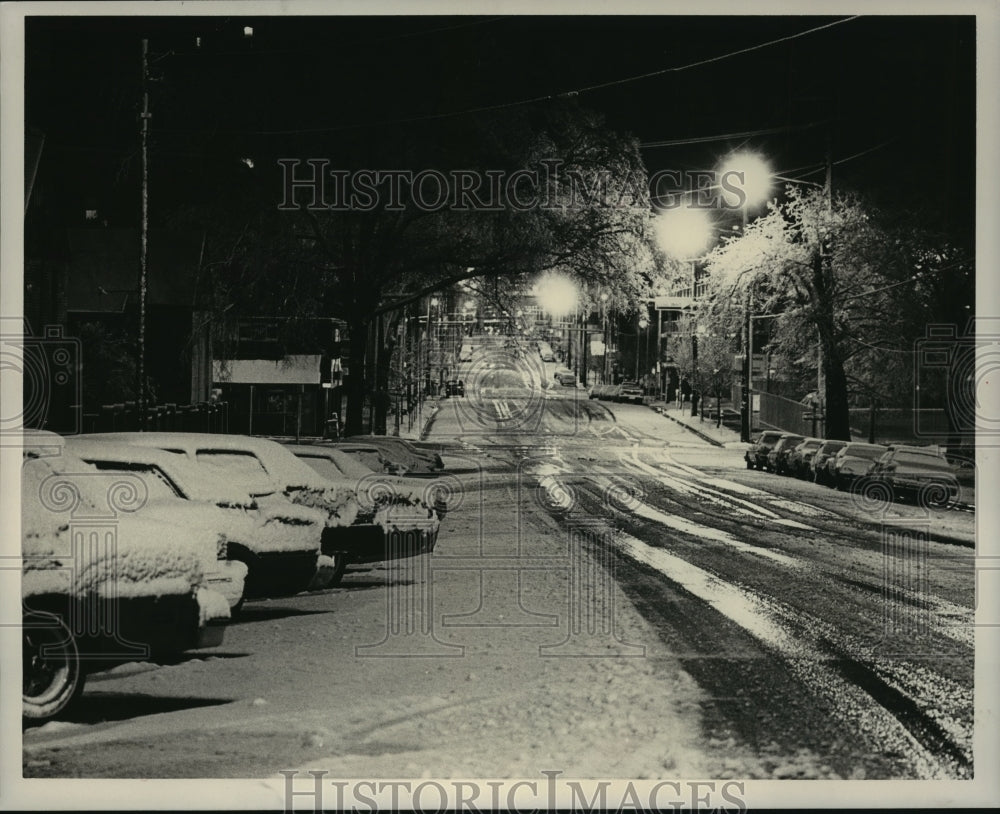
921, 459
324, 466
244, 464
158, 485
868, 453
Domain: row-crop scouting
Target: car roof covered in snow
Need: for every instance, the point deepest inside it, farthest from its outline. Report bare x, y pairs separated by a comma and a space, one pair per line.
192, 480
283, 467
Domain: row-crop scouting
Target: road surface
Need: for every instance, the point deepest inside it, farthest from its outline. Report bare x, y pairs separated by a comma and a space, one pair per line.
611, 596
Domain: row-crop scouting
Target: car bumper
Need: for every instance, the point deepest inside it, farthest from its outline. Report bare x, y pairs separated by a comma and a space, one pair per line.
372, 542
229, 579
915, 485
280, 573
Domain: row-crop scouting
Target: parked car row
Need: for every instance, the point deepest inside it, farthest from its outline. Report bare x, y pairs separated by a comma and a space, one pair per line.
140, 546
901, 469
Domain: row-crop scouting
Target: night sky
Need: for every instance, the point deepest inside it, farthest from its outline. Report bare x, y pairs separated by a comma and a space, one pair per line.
904, 86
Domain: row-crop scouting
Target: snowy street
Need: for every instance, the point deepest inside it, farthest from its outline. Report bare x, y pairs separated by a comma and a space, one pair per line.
610, 596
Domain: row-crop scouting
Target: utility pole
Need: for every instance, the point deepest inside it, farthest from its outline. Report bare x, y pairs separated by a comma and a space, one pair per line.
746, 394
140, 399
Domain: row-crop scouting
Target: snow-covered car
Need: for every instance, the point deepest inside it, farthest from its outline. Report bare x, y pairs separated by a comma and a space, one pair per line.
408, 513
777, 458
854, 461
396, 456
101, 584
823, 458
756, 454
630, 391
922, 472
799, 458
278, 474
277, 544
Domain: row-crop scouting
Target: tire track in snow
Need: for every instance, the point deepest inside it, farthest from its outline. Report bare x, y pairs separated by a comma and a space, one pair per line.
729, 501
883, 713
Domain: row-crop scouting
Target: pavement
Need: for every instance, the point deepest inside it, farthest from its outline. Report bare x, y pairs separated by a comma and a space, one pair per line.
422, 421
704, 428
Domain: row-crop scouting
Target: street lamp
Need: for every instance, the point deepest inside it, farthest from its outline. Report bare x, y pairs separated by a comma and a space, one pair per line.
683, 232
746, 181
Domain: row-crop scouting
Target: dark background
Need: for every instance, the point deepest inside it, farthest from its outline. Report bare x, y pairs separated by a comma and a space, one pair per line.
302, 87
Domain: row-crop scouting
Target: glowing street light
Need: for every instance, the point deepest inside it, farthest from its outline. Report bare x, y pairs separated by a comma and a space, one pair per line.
683, 232
746, 180
557, 294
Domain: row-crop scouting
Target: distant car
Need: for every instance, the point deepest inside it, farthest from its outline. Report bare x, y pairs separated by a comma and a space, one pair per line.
465, 355
919, 472
777, 458
398, 505
454, 387
566, 379
756, 454
799, 458
630, 391
822, 459
730, 418
90, 602
854, 461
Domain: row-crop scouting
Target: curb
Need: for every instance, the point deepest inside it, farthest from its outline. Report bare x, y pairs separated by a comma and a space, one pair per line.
688, 427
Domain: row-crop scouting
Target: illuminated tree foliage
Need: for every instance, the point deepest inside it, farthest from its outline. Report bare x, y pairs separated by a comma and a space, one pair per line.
847, 279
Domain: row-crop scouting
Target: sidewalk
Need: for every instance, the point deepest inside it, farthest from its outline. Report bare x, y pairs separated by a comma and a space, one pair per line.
705, 429
422, 425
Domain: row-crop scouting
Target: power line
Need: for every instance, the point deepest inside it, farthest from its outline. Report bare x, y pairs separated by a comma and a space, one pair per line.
728, 136
719, 58
541, 98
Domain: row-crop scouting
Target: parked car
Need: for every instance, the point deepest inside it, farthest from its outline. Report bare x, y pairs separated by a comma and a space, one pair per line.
920, 472
277, 474
91, 601
399, 456
822, 459
566, 379
730, 418
777, 458
854, 461
799, 458
756, 454
408, 512
630, 391
277, 545
605, 392
454, 387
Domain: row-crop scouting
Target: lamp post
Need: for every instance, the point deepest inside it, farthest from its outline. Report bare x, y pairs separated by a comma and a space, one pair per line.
753, 176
